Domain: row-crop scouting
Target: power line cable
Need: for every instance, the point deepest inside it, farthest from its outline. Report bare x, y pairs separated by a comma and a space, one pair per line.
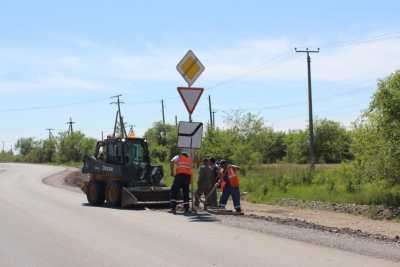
318, 113
377, 38
263, 66
288, 54
76, 103
298, 103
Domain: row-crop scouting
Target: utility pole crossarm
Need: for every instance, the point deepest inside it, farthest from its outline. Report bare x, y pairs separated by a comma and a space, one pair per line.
307, 50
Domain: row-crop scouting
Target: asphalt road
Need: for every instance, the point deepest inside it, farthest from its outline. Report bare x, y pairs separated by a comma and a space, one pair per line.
42, 225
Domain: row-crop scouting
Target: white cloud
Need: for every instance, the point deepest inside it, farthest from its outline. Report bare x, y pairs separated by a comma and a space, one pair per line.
51, 81
251, 60
353, 64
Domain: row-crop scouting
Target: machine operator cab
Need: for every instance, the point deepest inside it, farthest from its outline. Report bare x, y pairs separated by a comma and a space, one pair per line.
123, 151
131, 154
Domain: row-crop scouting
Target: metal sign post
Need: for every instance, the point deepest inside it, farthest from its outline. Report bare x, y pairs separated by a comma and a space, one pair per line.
190, 68
189, 137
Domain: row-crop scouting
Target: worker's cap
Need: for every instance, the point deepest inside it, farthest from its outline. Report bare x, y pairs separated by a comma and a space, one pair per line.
185, 152
223, 162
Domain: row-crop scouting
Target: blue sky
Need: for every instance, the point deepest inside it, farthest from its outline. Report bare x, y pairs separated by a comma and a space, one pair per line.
55, 54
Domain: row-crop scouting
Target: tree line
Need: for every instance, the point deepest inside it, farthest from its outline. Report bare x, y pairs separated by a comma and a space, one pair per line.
62, 148
246, 140
371, 144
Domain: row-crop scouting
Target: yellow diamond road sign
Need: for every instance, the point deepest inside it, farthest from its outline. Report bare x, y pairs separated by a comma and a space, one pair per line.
190, 67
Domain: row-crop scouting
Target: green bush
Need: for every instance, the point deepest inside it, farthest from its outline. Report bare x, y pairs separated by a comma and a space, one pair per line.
376, 135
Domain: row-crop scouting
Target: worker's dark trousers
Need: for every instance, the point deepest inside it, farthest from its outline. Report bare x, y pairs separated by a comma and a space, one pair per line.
205, 189
230, 191
180, 181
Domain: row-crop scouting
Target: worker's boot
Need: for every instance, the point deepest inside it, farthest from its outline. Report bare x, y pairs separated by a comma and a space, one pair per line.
238, 210
173, 211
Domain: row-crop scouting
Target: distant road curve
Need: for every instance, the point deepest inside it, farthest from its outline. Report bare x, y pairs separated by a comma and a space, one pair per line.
43, 225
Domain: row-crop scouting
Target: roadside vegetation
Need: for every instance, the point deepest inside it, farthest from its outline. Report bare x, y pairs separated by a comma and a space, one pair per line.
360, 164
66, 149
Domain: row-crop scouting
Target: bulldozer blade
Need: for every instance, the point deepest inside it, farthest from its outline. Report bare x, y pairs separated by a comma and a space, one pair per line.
127, 198
144, 196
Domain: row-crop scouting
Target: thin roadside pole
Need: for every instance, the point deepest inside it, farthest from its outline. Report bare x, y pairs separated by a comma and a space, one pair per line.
163, 112
192, 156
213, 119
210, 110
192, 178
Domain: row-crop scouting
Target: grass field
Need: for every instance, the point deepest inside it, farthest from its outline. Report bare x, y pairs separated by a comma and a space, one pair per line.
329, 183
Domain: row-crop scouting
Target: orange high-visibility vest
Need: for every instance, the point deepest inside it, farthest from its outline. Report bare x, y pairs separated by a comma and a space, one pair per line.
232, 176
184, 165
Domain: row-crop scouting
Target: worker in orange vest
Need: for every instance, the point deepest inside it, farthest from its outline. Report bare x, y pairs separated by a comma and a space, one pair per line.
181, 167
229, 182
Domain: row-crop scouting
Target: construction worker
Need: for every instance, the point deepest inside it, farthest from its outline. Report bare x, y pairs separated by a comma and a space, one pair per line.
181, 168
204, 183
229, 182
212, 199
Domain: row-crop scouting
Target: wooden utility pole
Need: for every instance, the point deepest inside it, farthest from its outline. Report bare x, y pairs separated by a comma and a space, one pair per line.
70, 127
50, 130
211, 113
118, 118
310, 105
213, 118
163, 112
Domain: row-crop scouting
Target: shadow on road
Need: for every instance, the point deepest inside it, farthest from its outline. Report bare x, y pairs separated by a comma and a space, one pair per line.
200, 217
104, 206
192, 216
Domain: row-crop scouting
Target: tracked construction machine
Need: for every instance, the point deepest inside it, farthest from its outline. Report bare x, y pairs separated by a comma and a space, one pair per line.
121, 173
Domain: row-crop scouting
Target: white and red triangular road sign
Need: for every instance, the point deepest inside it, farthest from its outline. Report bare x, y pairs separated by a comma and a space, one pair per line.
190, 97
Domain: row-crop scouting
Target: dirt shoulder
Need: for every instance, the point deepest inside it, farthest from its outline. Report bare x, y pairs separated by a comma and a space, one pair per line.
69, 179
303, 217
326, 218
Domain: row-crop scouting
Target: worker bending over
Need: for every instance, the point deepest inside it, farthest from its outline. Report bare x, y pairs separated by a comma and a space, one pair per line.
204, 182
212, 199
181, 168
229, 182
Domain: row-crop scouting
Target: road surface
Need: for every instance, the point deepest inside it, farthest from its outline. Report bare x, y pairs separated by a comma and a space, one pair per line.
42, 225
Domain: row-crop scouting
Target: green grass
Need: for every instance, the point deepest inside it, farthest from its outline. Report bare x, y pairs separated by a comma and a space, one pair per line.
328, 183
334, 183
